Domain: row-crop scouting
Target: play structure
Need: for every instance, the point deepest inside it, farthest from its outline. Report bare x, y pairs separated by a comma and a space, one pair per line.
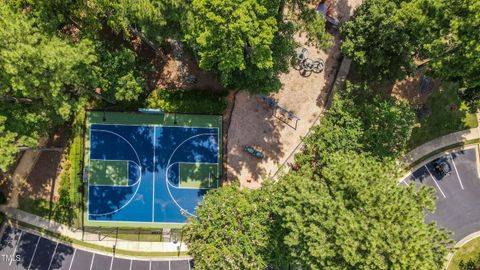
280, 112
325, 7
307, 65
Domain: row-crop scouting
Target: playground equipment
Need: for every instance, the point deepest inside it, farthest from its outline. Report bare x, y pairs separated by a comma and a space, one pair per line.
285, 116
325, 7
307, 65
254, 152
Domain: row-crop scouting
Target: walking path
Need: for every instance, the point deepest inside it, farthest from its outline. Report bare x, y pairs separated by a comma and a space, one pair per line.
86, 237
441, 142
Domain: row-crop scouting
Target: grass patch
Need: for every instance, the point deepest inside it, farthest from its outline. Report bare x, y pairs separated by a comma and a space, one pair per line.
45, 209
193, 101
447, 114
467, 256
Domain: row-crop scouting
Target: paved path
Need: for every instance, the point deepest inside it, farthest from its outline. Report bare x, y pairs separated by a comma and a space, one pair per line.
440, 142
85, 237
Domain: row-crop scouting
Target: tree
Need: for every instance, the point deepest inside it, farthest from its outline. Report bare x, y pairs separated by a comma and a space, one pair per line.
120, 78
42, 67
308, 20
9, 143
230, 231
454, 52
383, 37
351, 214
232, 36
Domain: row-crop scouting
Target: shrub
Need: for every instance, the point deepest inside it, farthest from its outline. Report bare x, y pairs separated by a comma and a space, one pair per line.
192, 101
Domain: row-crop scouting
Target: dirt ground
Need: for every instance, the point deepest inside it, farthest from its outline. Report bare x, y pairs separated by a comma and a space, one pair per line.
257, 124
42, 182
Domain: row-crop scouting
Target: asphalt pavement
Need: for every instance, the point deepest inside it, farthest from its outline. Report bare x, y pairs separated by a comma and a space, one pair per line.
458, 193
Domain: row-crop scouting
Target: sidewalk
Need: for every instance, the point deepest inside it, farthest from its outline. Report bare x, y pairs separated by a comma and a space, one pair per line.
440, 142
80, 236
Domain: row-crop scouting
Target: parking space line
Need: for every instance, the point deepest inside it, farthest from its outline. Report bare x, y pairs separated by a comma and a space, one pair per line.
435, 181
456, 171
51, 260
15, 250
150, 265
130, 264
188, 261
34, 251
91, 263
73, 257
403, 181
111, 262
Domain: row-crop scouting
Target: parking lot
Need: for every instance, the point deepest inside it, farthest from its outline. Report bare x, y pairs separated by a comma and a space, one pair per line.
458, 193
23, 250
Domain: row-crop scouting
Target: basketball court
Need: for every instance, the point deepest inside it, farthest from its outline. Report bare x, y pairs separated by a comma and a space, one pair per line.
149, 169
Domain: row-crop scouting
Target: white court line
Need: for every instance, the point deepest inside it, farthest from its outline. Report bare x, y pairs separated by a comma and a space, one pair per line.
168, 163
435, 181
153, 175
16, 246
456, 171
73, 257
138, 186
34, 251
53, 256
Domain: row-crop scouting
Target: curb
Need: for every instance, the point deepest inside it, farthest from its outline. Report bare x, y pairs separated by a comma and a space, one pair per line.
459, 244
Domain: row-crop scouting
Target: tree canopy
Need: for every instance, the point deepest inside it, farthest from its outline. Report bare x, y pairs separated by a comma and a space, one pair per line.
384, 39
231, 227
340, 207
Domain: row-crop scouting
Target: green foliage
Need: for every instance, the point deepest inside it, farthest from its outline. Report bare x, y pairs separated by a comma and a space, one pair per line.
309, 21
351, 214
472, 264
448, 114
385, 37
382, 38
193, 101
120, 78
231, 230
454, 51
357, 122
236, 40
40, 66
340, 208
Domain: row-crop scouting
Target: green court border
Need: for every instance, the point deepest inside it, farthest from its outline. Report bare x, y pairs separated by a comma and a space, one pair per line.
145, 119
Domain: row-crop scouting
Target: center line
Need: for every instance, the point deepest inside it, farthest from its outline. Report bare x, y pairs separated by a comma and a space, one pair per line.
435, 181
456, 171
153, 175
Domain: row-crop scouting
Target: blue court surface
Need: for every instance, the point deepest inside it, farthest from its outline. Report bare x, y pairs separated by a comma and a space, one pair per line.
149, 173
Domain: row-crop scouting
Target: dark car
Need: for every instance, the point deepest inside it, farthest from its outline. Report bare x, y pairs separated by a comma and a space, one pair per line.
442, 166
